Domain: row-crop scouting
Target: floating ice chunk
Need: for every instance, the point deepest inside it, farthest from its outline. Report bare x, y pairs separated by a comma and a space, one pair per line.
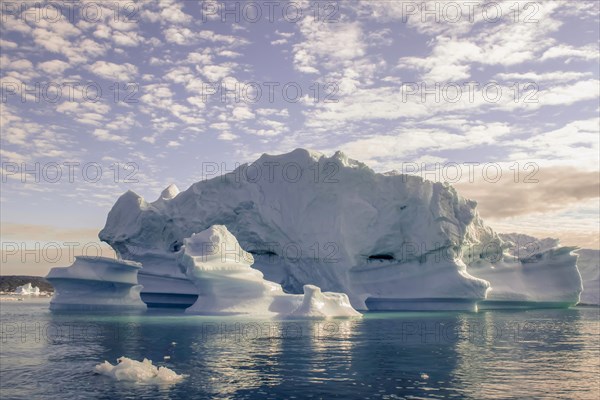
28, 290
140, 372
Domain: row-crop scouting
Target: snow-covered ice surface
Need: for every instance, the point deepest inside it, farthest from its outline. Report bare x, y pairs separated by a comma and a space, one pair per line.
390, 239
130, 370
96, 283
27, 290
227, 284
589, 268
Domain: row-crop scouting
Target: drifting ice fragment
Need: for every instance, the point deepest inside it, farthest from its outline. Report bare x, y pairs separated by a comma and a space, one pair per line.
139, 372
28, 290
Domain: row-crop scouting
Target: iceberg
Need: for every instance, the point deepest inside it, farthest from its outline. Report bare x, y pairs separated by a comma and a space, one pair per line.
227, 284
530, 273
130, 370
27, 290
96, 283
388, 241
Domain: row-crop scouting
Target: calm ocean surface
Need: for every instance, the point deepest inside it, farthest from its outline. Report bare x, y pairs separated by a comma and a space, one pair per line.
492, 354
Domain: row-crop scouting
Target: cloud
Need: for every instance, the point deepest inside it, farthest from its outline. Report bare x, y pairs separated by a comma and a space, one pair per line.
185, 36
62, 37
221, 126
456, 50
53, 67
122, 122
105, 136
227, 136
402, 143
277, 126
173, 13
283, 37
181, 36
575, 225
180, 74
15, 24
562, 95
161, 97
102, 31
170, 12
16, 135
215, 72
561, 76
32, 138
19, 69
111, 71
272, 111
576, 143
126, 39
7, 44
224, 130
322, 45
229, 54
589, 53
557, 188
199, 58
242, 113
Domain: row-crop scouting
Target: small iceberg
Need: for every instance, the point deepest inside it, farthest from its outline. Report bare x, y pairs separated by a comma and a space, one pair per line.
139, 372
27, 290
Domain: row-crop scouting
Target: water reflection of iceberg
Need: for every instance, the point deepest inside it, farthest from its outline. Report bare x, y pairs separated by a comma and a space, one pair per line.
233, 356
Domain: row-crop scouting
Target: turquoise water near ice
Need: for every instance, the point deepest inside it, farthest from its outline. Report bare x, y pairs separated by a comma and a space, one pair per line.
485, 355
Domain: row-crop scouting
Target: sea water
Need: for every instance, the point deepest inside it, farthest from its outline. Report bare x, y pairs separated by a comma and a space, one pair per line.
484, 355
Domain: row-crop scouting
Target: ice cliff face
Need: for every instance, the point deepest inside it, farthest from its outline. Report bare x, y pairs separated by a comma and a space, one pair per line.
96, 283
530, 270
311, 219
589, 267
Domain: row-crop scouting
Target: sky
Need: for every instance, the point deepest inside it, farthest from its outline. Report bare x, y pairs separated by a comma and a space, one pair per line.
500, 99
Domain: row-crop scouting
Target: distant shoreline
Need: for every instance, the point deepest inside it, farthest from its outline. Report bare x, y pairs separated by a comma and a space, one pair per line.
8, 283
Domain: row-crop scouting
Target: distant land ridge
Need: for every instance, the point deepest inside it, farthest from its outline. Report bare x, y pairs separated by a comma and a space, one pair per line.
8, 283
